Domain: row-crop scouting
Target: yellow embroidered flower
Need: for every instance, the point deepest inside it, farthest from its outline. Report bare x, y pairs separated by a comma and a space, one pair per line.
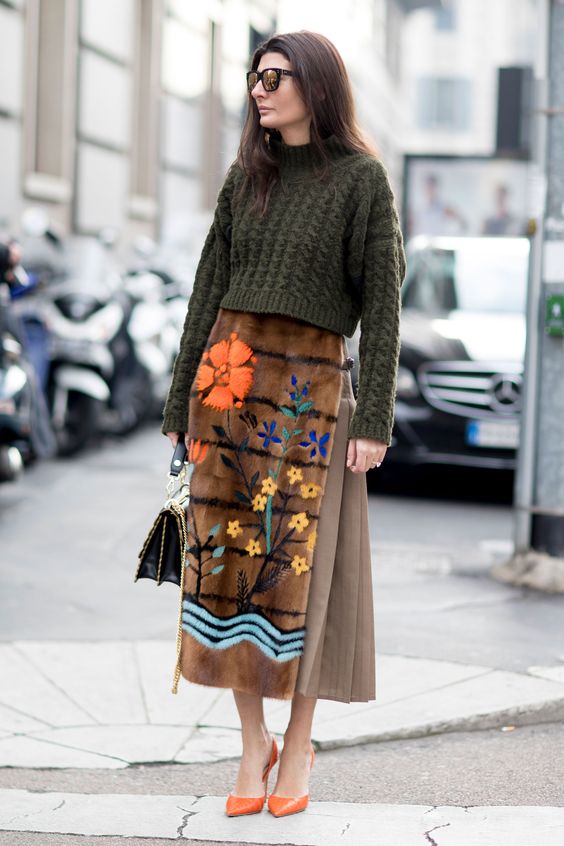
259, 503
299, 522
253, 548
269, 486
312, 537
234, 528
295, 474
310, 491
299, 565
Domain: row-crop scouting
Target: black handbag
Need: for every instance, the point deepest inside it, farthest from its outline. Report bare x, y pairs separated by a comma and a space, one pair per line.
162, 555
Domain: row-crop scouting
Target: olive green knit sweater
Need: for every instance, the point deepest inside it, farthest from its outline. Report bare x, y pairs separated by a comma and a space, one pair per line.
328, 251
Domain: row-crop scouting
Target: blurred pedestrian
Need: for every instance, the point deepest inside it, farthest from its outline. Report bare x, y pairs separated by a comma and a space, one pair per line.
305, 242
10, 256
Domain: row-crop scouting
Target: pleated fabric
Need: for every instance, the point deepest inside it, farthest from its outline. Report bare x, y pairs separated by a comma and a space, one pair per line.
338, 661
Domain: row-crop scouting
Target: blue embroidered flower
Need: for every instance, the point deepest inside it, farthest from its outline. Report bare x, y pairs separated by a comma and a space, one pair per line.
316, 444
269, 435
294, 394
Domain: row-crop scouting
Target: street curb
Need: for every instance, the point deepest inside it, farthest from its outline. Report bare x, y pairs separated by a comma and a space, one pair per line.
551, 712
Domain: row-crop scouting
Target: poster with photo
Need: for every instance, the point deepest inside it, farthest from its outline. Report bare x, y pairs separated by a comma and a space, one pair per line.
458, 195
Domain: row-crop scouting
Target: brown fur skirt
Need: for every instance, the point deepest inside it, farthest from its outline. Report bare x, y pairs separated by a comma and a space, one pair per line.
263, 608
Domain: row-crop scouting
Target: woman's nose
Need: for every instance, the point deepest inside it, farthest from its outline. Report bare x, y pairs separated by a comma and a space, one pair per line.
256, 90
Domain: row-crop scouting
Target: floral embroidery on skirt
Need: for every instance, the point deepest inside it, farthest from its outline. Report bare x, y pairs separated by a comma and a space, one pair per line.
262, 415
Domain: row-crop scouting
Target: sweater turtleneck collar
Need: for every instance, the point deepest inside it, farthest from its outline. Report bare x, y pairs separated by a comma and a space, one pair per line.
300, 159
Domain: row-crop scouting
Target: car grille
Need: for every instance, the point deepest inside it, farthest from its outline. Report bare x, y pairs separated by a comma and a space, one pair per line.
472, 389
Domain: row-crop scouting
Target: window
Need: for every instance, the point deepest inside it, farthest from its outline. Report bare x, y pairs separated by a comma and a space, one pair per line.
445, 17
443, 103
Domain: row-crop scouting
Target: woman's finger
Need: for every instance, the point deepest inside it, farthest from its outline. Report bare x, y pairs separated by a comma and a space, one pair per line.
173, 437
351, 453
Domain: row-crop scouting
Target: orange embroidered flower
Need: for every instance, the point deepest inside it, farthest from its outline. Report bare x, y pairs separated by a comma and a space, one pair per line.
299, 522
299, 565
269, 486
295, 474
312, 538
234, 529
224, 382
259, 502
197, 451
253, 548
310, 491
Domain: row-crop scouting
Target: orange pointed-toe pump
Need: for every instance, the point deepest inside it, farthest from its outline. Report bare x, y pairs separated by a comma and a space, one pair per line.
283, 806
238, 806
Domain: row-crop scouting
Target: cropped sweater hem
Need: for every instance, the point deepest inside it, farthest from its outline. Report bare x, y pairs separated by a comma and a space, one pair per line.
273, 303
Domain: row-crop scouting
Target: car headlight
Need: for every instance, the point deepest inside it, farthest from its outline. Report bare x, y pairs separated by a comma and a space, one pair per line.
407, 383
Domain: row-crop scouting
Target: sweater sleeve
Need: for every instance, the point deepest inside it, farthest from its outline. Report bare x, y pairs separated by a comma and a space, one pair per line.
210, 284
377, 263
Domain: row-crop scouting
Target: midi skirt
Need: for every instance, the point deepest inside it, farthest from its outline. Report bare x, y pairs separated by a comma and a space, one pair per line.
277, 592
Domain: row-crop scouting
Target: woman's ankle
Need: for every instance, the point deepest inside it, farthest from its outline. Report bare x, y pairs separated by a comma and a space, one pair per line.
297, 742
256, 739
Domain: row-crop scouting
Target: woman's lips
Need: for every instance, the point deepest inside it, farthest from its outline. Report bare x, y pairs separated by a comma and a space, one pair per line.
264, 109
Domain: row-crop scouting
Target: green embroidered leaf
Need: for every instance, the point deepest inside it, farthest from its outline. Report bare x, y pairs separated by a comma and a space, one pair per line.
214, 530
242, 497
285, 433
289, 412
227, 461
297, 432
219, 430
218, 552
217, 569
304, 406
254, 480
243, 445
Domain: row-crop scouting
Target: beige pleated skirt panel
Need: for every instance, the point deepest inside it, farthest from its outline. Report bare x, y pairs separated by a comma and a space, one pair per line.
339, 652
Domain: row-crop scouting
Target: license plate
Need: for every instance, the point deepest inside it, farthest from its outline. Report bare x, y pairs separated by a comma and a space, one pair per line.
493, 433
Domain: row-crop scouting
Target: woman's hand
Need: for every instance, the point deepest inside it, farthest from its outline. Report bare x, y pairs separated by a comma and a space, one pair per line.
365, 453
173, 437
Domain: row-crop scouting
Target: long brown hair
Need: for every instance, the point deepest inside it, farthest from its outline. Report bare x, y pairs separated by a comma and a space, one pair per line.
324, 85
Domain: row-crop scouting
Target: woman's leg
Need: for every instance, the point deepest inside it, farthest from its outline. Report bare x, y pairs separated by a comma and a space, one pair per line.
257, 745
293, 772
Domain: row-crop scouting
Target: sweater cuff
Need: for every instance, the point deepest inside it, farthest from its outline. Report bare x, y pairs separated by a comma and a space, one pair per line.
370, 428
174, 424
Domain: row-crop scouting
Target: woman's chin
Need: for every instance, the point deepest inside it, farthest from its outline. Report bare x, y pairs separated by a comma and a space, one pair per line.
268, 122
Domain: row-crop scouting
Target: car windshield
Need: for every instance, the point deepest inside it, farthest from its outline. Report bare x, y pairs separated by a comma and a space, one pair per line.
473, 277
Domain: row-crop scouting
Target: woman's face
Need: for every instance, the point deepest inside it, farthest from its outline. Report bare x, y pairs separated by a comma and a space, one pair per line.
282, 109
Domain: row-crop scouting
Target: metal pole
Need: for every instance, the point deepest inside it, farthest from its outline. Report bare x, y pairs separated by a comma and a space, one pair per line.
539, 525
526, 458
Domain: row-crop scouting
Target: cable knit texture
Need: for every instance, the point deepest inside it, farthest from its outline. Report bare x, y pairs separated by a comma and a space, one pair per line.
328, 251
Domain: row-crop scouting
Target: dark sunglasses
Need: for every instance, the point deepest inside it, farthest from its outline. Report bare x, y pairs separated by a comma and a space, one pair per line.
270, 78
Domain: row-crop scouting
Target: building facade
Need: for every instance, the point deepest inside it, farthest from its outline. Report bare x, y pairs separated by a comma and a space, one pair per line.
122, 115
126, 114
450, 58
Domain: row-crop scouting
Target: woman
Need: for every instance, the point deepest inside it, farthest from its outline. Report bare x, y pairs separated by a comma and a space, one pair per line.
305, 242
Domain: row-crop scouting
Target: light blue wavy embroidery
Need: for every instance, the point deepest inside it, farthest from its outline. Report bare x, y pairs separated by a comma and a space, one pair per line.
240, 628
232, 641
191, 608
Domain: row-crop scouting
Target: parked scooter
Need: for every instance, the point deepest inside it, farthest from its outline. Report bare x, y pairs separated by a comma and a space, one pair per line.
25, 431
95, 383
158, 314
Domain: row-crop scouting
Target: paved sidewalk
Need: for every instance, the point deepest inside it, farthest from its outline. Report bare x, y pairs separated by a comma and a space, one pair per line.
108, 705
324, 824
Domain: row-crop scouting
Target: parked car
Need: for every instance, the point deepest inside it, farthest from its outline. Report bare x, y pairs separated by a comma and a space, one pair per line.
463, 329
